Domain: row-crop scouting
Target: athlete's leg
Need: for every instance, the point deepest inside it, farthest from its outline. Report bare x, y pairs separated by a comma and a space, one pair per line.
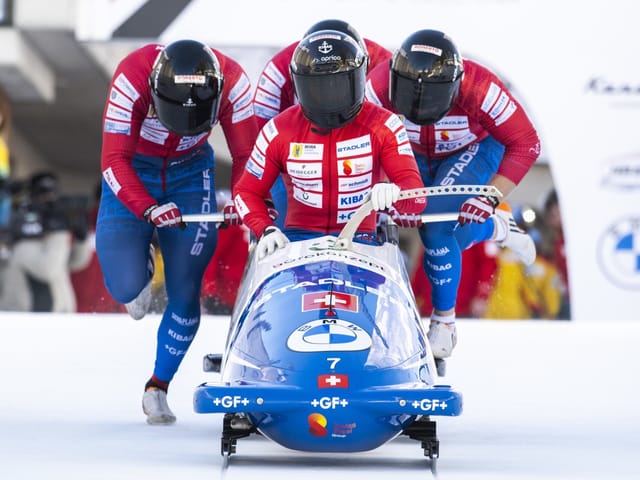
122, 246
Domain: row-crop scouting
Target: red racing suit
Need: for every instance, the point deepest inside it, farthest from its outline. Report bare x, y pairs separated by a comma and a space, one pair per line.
274, 90
131, 126
327, 173
484, 107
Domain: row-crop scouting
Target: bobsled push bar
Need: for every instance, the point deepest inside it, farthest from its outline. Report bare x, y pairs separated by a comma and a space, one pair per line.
349, 230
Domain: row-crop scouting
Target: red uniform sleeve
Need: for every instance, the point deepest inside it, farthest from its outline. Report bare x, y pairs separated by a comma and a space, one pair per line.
398, 162
274, 91
261, 171
236, 114
125, 109
500, 114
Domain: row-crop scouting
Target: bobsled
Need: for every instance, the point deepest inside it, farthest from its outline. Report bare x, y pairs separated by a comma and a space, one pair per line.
326, 350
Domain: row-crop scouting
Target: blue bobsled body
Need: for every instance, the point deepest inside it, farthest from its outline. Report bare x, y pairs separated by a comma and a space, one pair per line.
326, 351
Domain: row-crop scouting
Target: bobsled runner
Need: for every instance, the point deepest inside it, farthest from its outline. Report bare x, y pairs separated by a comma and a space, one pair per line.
326, 351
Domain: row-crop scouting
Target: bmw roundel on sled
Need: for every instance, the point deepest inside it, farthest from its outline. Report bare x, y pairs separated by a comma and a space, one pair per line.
326, 351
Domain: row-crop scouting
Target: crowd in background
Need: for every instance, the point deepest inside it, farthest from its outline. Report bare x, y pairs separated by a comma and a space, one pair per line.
48, 262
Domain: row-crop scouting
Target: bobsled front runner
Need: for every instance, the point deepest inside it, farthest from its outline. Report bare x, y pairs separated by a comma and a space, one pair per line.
326, 352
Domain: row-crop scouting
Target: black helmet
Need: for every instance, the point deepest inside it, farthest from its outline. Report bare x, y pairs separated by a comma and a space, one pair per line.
329, 70
426, 72
340, 26
186, 85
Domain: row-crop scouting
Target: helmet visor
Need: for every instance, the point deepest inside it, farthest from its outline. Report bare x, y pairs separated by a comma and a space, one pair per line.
335, 94
187, 109
423, 103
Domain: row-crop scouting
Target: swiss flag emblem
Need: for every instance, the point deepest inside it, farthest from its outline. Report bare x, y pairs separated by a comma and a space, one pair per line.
334, 300
333, 381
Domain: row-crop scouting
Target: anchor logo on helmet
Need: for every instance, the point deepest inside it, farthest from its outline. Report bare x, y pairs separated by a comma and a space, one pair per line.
325, 47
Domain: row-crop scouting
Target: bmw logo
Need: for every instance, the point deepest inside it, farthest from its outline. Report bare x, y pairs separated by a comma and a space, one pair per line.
619, 253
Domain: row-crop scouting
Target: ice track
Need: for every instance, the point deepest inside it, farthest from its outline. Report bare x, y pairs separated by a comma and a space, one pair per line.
543, 400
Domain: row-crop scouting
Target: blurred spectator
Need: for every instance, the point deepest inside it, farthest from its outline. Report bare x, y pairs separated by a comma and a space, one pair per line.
476, 281
48, 241
523, 292
223, 274
557, 256
88, 283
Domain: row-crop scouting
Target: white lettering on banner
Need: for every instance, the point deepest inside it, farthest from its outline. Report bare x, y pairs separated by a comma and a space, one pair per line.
126, 87
454, 143
329, 403
453, 121
354, 147
312, 185
355, 166
430, 404
174, 351
267, 98
188, 142
262, 143
405, 149
308, 198
500, 105
185, 322
179, 337
118, 113
111, 126
241, 206
205, 207
352, 199
438, 268
111, 180
306, 151
229, 401
490, 97
254, 169
274, 74
115, 96
257, 157
349, 184
343, 216
243, 114
153, 135
393, 123
270, 131
461, 163
241, 86
267, 87
506, 114
401, 136
263, 111
305, 170
243, 101
437, 252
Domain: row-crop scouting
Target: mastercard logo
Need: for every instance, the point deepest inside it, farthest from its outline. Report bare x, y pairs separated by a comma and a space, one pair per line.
317, 425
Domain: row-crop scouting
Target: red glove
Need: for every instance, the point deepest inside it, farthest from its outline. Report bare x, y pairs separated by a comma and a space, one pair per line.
406, 220
477, 209
231, 217
166, 215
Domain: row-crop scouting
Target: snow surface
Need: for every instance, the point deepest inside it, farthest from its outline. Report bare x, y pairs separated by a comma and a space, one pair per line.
542, 400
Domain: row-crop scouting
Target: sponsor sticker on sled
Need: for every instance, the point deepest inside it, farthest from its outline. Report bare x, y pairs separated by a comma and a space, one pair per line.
333, 381
334, 300
329, 336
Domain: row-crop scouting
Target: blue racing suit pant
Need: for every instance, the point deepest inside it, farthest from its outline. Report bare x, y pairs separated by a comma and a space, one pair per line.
445, 241
122, 245
280, 201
